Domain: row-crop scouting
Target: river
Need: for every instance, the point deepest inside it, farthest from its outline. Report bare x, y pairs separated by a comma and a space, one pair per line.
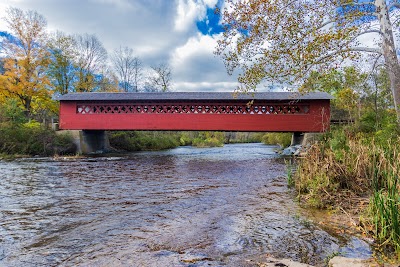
187, 206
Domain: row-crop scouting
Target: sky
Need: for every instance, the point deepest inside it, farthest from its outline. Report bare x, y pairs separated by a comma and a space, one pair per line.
181, 33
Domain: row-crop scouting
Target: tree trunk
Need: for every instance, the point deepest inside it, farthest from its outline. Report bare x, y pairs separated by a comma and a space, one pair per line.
389, 53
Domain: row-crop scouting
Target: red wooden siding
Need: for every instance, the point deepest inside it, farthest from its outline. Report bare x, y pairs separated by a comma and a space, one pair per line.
265, 116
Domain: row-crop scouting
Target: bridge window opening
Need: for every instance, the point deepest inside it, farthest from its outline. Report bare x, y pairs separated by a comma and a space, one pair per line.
263, 109
271, 109
194, 109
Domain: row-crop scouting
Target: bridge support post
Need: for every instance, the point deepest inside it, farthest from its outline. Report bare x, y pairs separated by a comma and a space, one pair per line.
94, 142
297, 138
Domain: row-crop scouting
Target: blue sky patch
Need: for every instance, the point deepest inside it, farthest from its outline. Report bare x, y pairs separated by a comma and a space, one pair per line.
9, 37
210, 25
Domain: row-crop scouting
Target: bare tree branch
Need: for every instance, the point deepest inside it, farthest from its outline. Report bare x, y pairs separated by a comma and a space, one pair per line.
128, 68
161, 80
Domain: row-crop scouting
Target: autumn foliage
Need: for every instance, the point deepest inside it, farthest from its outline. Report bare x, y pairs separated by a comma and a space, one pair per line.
285, 41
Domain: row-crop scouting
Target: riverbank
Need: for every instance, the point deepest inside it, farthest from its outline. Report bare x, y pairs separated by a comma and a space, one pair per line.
355, 174
23, 137
158, 140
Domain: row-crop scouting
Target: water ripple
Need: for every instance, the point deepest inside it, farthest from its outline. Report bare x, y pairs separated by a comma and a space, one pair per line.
181, 207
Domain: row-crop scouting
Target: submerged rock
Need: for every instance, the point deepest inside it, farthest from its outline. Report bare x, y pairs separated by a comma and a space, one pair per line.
346, 262
292, 150
271, 262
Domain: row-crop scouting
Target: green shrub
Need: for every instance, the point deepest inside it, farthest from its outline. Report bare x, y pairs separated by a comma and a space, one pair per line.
281, 139
185, 139
31, 139
126, 140
243, 137
208, 142
137, 141
209, 139
64, 144
10, 111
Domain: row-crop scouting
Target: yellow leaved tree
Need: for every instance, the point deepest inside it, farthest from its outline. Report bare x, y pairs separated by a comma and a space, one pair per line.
26, 61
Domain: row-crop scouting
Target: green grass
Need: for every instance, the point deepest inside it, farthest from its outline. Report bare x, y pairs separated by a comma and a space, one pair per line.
138, 141
31, 139
363, 165
289, 173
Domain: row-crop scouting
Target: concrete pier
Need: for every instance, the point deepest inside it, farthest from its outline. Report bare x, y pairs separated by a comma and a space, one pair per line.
89, 142
93, 141
297, 139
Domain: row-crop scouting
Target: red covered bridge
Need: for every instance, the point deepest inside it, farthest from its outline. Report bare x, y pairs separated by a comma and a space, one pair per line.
176, 111
270, 112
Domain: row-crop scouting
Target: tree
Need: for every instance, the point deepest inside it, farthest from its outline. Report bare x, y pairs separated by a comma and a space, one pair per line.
26, 59
161, 78
108, 82
286, 40
91, 58
128, 67
62, 71
345, 85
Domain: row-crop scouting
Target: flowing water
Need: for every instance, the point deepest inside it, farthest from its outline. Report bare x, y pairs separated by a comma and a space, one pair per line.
225, 206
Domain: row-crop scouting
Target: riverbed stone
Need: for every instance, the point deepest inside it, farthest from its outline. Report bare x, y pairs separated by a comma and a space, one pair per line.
272, 262
345, 262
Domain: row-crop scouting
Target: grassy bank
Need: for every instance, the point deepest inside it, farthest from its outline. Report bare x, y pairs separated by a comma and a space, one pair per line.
138, 141
158, 140
349, 165
31, 139
281, 139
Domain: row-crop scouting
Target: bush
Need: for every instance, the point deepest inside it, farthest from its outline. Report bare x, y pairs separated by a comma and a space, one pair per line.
31, 139
11, 112
64, 144
137, 141
209, 139
243, 137
186, 138
281, 139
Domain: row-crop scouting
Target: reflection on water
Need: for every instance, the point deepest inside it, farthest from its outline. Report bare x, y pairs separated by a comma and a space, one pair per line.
181, 207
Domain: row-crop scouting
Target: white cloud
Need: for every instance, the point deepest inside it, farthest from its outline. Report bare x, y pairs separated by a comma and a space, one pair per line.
189, 11
116, 3
204, 86
159, 31
194, 62
198, 45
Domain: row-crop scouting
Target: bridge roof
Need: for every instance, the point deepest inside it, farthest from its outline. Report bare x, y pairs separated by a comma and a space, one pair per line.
194, 96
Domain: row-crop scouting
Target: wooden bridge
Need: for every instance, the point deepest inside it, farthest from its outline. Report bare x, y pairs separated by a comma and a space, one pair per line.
183, 111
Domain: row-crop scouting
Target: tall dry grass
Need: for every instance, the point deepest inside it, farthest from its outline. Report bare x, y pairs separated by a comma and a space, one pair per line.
356, 166
325, 172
